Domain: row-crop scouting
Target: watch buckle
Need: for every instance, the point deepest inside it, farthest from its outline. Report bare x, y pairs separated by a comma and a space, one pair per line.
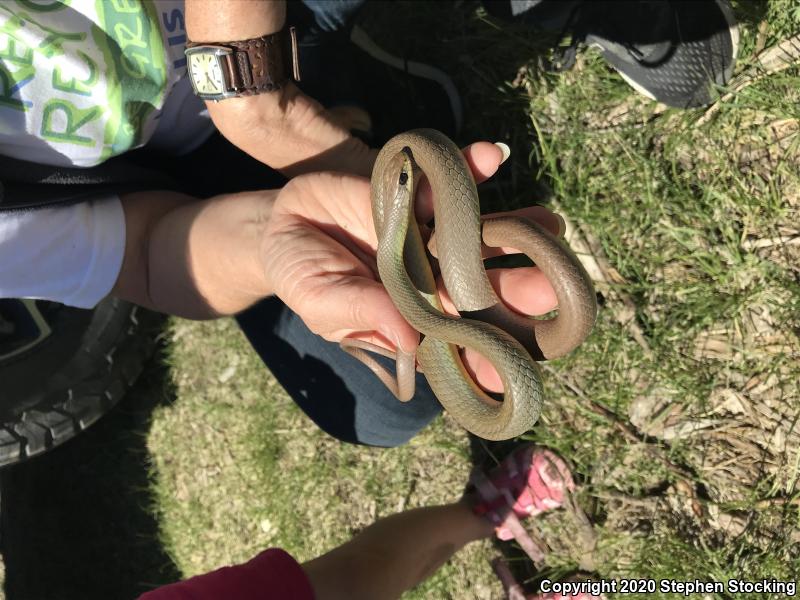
294, 54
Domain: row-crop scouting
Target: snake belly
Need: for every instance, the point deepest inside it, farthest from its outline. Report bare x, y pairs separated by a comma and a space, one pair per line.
406, 273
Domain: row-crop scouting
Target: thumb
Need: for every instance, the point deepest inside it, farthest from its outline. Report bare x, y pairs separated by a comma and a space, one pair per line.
368, 307
483, 159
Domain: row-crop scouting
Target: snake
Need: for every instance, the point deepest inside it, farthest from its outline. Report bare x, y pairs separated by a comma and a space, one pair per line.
510, 341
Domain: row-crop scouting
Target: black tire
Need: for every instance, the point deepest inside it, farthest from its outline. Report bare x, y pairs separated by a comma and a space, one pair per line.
57, 382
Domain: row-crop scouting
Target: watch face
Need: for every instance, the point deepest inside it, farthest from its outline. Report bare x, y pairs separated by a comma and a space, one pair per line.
206, 73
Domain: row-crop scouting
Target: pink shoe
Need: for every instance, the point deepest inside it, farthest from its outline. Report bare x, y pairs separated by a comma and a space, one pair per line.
526, 483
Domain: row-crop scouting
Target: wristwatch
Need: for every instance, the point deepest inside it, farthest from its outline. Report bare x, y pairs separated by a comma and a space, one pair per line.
221, 70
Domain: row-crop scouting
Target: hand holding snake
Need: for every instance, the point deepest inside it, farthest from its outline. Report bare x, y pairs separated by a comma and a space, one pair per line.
320, 252
508, 340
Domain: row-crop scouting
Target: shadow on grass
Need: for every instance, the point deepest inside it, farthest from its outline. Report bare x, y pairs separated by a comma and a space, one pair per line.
488, 57
78, 523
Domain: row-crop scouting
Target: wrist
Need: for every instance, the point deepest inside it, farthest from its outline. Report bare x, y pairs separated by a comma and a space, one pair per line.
262, 124
290, 132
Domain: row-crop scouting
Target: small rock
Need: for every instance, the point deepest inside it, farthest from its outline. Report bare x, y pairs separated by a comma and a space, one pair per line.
266, 526
227, 374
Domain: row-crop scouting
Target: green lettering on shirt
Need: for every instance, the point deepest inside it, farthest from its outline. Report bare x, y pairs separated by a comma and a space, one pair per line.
16, 52
73, 84
53, 42
74, 118
127, 37
126, 6
44, 6
136, 71
11, 83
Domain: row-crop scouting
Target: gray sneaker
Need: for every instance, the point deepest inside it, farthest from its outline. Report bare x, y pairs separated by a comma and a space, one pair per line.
673, 51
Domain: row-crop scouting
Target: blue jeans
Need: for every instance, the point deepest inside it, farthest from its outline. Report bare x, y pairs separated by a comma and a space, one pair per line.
333, 15
338, 393
327, 65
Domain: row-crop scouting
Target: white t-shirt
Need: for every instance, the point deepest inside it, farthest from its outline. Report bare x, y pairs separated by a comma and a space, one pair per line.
69, 254
80, 82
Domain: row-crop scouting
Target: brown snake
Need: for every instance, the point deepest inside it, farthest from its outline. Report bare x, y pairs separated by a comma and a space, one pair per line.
509, 341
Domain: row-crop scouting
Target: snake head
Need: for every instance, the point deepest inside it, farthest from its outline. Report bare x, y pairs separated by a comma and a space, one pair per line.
399, 183
403, 164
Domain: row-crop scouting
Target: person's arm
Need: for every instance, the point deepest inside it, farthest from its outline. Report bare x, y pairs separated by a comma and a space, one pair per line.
389, 557
286, 129
312, 243
395, 554
308, 242
191, 258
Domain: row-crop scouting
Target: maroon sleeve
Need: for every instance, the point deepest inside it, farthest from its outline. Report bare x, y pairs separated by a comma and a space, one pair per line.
273, 574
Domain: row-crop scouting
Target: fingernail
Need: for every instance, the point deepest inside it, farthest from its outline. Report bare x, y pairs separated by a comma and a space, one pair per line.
505, 150
398, 345
562, 225
414, 344
395, 337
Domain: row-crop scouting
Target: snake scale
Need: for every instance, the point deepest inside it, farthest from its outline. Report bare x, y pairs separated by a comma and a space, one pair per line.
509, 341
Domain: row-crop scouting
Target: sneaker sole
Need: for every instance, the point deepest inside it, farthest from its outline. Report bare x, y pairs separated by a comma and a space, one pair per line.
361, 39
733, 30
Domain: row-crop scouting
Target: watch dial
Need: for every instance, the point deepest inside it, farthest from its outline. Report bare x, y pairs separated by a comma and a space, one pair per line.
206, 73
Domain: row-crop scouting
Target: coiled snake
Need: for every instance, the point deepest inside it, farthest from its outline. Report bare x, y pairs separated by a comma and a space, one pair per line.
509, 341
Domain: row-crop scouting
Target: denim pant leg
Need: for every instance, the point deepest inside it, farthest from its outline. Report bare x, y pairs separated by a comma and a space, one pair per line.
333, 15
341, 395
328, 70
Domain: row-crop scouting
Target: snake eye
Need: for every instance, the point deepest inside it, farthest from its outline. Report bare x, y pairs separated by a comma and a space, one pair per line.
404, 162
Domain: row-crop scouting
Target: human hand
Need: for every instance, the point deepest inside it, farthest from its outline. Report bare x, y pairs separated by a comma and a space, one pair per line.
284, 129
319, 254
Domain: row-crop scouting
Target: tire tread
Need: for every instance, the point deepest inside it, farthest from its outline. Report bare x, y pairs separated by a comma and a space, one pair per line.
118, 355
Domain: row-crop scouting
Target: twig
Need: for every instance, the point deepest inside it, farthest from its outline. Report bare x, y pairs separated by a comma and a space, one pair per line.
773, 60
783, 240
761, 38
626, 430
604, 274
778, 501
586, 531
646, 501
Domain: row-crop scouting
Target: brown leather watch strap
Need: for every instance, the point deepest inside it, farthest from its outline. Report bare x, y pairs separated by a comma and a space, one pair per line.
262, 64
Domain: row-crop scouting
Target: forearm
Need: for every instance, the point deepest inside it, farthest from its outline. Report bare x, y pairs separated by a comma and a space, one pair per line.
284, 129
219, 20
191, 258
395, 554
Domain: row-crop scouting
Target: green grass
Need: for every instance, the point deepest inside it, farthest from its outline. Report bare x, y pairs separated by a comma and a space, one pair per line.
238, 468
683, 210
